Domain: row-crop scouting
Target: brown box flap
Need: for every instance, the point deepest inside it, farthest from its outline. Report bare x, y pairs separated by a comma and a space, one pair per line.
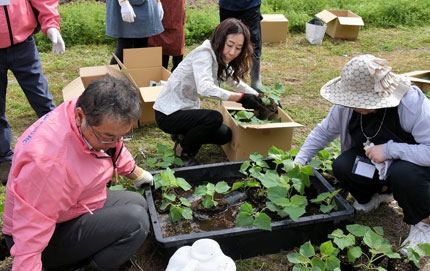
73, 89
143, 57
274, 18
150, 94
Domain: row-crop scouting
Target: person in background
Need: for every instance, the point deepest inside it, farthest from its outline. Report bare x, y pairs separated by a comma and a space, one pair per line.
172, 40
384, 128
223, 58
58, 212
132, 23
248, 11
18, 53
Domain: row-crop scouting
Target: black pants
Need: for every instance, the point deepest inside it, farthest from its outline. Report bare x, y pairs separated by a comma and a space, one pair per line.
126, 43
175, 61
198, 127
410, 184
106, 239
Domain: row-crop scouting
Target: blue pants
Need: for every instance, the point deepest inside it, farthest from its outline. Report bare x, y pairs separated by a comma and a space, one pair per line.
24, 61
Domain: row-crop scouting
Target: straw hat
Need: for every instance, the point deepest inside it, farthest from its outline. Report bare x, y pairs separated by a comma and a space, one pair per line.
366, 83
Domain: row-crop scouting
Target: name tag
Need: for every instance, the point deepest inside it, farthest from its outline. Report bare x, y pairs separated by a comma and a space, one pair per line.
4, 2
363, 167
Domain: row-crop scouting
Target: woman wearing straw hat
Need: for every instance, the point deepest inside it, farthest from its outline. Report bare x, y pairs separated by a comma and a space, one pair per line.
384, 126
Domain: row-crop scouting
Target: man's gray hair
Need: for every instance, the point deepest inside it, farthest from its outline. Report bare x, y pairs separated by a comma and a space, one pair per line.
110, 97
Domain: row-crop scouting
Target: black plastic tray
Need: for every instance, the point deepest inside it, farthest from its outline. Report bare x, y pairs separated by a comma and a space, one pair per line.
245, 242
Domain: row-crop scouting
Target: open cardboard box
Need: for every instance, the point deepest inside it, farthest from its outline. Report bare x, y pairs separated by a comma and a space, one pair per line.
256, 137
420, 78
341, 24
274, 28
140, 66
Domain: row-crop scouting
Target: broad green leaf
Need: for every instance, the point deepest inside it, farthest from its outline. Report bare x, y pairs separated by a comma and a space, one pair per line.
163, 164
372, 239
272, 207
333, 263
185, 202
299, 201
246, 207
327, 248
117, 187
357, 230
423, 249
294, 152
244, 219
171, 197
270, 179
200, 190
237, 185
295, 212
317, 264
169, 159
336, 233
245, 165
187, 213
288, 165
262, 164
315, 164
282, 202
175, 213
323, 154
178, 161
183, 184
253, 184
210, 189
296, 258
381, 269
161, 147
277, 192
307, 170
221, 187
354, 253
307, 250
393, 255
298, 185
255, 156
263, 221
326, 208
321, 197
208, 202
164, 204
379, 230
255, 172
345, 241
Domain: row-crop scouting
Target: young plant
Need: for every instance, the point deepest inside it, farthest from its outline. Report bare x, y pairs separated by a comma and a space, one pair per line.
244, 117
163, 158
252, 170
178, 207
416, 253
249, 217
272, 95
324, 159
326, 201
208, 191
307, 259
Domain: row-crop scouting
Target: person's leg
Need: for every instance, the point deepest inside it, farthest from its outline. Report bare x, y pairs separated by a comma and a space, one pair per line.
6, 152
175, 61
361, 188
197, 127
27, 68
108, 238
410, 184
165, 61
140, 42
121, 44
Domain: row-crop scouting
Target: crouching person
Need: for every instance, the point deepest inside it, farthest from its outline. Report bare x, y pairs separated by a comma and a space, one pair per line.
58, 212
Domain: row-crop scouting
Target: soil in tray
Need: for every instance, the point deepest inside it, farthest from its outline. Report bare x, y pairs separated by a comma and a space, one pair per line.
222, 217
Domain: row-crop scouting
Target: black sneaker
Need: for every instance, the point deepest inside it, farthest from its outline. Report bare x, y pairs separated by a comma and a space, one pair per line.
188, 160
4, 171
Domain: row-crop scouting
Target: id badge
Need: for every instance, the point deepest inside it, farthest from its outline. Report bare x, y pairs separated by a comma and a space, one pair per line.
4, 2
363, 167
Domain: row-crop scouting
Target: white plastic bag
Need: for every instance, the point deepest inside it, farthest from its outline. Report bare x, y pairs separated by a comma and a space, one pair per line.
315, 31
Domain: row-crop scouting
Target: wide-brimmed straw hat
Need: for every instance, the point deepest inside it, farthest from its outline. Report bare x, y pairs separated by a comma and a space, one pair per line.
366, 83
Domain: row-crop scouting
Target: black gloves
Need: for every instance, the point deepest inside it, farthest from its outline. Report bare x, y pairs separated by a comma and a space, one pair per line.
251, 101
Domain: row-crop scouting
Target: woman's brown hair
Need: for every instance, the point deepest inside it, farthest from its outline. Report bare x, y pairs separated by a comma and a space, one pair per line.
239, 66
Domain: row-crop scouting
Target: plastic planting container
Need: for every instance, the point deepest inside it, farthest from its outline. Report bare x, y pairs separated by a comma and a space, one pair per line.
245, 242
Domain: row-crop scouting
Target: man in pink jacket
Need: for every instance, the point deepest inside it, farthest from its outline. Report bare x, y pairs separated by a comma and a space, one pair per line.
19, 54
58, 211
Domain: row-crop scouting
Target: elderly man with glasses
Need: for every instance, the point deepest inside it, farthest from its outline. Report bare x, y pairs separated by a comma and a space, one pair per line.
58, 212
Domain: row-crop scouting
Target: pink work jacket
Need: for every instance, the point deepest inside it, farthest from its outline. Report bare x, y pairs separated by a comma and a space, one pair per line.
54, 178
19, 18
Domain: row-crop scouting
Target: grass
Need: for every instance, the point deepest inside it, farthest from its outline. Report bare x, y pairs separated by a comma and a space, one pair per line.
302, 68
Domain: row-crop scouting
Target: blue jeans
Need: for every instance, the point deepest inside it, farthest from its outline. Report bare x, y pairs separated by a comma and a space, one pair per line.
24, 62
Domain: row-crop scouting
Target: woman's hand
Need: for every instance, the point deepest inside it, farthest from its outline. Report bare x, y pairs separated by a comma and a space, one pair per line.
376, 154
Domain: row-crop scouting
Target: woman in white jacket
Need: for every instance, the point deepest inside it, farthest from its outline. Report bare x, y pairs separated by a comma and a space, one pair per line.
224, 58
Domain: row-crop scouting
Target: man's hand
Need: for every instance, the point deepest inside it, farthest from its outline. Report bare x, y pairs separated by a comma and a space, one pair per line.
127, 11
376, 154
160, 11
251, 101
143, 177
54, 35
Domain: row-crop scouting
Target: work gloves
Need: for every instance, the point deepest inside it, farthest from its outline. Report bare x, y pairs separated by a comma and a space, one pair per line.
54, 35
144, 178
127, 11
251, 101
160, 11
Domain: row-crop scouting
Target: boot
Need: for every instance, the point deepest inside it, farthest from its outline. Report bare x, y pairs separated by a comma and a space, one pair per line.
4, 171
255, 74
186, 158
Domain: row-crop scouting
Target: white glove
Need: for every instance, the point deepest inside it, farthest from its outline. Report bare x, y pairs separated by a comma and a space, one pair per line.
127, 11
160, 11
144, 178
54, 35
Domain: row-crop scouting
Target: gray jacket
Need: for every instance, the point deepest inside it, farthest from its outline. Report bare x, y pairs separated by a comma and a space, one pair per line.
195, 76
147, 22
414, 115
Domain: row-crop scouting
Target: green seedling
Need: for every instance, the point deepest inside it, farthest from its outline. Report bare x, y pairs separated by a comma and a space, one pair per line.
326, 201
416, 253
163, 158
249, 217
324, 159
244, 117
308, 260
272, 95
178, 207
208, 191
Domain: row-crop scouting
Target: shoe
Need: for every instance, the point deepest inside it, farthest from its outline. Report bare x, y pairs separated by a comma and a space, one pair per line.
4, 171
176, 137
374, 202
418, 234
188, 160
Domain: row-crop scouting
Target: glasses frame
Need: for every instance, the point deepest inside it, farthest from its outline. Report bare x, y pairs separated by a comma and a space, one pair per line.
122, 139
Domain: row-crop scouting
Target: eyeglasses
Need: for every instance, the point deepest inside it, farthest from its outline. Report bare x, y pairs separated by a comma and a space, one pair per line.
127, 137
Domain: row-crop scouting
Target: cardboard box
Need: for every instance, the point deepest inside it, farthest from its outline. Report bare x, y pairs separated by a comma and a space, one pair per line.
274, 28
256, 137
341, 24
140, 66
420, 78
